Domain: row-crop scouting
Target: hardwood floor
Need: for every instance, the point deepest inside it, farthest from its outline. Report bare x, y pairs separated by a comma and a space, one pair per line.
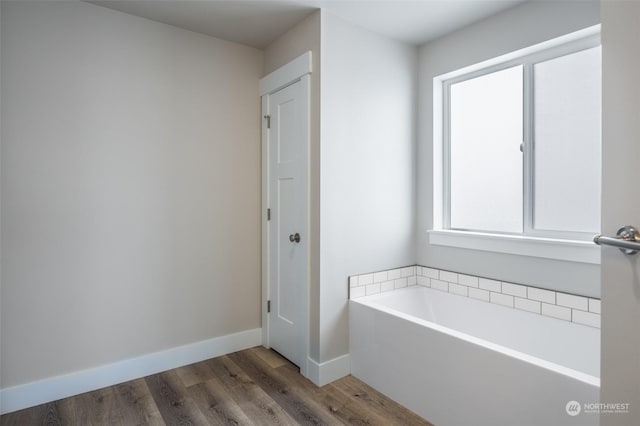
252, 387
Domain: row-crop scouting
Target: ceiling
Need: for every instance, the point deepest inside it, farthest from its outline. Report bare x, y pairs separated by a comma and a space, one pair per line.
259, 22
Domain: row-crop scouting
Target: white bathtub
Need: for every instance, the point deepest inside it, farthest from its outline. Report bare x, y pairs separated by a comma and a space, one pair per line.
458, 361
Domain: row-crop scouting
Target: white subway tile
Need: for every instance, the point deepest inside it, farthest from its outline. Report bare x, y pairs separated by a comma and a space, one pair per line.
514, 289
424, 281
541, 295
386, 286
556, 311
527, 305
451, 277
501, 299
412, 280
394, 274
407, 271
353, 281
572, 301
440, 285
357, 292
430, 273
586, 318
373, 289
479, 294
468, 280
378, 277
365, 279
400, 283
490, 285
458, 289
594, 306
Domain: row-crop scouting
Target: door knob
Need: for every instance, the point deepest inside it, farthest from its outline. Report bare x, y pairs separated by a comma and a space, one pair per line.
294, 237
627, 240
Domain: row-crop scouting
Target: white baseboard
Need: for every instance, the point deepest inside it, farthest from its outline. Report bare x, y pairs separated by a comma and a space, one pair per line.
328, 371
54, 388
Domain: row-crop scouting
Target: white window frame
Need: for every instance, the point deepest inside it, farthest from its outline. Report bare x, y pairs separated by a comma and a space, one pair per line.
571, 246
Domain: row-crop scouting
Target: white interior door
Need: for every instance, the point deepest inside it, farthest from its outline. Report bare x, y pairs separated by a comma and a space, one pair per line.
620, 383
287, 118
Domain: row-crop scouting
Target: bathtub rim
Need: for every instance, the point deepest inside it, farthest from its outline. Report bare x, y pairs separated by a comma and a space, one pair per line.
369, 301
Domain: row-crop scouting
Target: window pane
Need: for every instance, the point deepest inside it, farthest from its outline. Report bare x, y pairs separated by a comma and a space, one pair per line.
567, 143
486, 162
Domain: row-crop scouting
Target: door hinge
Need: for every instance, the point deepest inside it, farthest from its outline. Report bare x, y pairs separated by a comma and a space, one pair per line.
268, 306
268, 214
268, 118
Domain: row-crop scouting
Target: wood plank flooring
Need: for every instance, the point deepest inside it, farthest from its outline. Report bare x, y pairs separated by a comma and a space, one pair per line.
251, 387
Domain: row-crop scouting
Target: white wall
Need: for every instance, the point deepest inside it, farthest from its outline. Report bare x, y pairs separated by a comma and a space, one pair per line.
522, 26
367, 165
362, 174
130, 188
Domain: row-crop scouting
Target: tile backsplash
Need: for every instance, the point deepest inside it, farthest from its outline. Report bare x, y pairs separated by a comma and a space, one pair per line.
569, 307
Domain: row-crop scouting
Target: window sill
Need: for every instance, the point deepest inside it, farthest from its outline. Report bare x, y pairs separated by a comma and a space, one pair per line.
548, 248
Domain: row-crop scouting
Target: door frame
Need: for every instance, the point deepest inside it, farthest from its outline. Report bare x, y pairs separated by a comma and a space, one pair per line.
298, 70
620, 274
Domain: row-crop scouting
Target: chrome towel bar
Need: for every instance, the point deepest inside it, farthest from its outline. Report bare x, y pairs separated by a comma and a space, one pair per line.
627, 240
